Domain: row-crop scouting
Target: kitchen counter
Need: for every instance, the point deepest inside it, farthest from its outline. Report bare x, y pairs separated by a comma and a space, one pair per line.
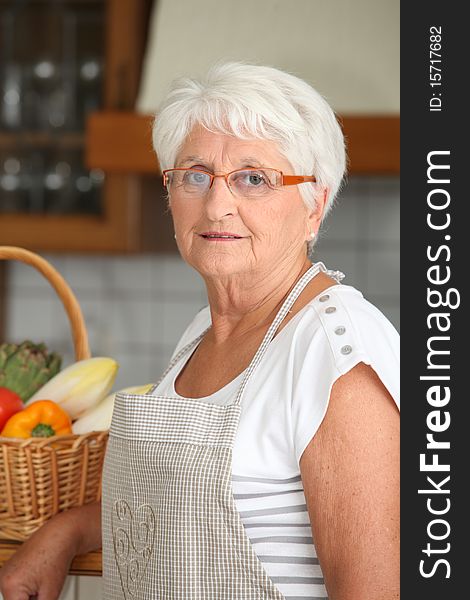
84, 564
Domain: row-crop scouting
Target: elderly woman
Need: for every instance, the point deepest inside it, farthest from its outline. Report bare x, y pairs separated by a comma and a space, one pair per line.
264, 463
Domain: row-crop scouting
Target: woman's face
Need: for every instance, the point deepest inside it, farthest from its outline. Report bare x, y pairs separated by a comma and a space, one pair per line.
273, 228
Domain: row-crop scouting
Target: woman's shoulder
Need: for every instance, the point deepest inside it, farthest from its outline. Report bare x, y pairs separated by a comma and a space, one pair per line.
339, 329
348, 323
344, 303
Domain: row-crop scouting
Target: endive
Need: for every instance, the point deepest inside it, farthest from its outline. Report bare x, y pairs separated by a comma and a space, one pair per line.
98, 418
80, 386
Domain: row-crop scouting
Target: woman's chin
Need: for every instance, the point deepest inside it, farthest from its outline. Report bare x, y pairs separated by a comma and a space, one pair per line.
218, 265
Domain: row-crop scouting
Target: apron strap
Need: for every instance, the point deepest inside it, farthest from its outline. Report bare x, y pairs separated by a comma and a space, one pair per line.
282, 313
285, 308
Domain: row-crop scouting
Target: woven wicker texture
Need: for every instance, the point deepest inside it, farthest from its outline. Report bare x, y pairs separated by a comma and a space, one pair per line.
40, 477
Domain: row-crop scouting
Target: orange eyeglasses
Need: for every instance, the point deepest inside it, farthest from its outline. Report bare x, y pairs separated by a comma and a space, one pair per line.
245, 183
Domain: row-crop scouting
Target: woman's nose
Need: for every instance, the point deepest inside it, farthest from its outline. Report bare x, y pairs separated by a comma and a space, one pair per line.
220, 201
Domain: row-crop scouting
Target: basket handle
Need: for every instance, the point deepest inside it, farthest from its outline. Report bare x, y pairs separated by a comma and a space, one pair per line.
70, 303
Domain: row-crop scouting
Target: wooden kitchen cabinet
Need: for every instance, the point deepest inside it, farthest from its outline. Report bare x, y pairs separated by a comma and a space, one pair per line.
118, 215
120, 142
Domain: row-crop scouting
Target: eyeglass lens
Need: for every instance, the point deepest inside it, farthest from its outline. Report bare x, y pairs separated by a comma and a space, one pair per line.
245, 182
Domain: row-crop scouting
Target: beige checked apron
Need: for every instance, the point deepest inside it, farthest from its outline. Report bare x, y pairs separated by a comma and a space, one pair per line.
171, 530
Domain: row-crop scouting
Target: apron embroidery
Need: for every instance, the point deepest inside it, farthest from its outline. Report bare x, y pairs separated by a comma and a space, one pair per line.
171, 529
133, 537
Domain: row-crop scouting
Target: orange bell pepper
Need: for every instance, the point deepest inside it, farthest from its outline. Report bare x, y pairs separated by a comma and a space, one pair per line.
43, 418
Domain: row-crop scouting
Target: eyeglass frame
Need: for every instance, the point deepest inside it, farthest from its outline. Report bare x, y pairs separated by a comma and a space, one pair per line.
286, 179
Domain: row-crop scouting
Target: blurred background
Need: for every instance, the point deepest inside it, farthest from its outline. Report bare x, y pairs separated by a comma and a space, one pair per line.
79, 182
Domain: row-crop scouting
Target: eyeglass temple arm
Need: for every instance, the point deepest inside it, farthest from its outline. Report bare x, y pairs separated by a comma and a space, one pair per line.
295, 179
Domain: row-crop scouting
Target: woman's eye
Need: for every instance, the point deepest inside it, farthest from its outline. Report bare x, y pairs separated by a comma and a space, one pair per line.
252, 178
195, 178
256, 179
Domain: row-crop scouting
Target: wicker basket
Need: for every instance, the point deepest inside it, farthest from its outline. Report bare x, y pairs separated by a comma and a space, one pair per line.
40, 477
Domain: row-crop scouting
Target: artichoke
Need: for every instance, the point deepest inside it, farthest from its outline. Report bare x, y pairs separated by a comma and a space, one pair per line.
26, 367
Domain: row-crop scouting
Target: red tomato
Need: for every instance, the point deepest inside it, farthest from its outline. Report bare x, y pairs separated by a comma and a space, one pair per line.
10, 403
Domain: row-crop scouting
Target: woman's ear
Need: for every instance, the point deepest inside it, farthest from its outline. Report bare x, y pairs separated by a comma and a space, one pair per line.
316, 215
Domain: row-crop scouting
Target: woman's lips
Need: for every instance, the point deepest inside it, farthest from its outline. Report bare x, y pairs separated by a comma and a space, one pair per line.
220, 236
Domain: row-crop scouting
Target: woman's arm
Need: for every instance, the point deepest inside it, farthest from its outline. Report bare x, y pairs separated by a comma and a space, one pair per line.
350, 474
41, 564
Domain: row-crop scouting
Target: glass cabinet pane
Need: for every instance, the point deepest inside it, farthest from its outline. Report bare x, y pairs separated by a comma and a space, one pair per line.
51, 77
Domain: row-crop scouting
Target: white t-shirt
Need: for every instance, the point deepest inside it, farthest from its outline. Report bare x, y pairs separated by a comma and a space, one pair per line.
283, 405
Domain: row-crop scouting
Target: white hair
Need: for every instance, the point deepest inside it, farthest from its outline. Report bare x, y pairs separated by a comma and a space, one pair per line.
254, 101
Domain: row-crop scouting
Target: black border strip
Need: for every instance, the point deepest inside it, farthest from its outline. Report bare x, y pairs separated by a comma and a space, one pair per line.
434, 231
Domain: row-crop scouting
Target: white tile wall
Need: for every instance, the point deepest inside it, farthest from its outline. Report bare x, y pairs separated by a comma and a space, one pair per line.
345, 223
137, 307
383, 273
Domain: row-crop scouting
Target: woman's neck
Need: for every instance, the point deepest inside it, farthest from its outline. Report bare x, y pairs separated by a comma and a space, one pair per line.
243, 304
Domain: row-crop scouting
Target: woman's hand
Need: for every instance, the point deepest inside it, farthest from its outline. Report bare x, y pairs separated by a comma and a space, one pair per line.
40, 566
350, 474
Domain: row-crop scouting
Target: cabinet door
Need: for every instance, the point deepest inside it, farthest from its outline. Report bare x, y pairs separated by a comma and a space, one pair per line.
62, 61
